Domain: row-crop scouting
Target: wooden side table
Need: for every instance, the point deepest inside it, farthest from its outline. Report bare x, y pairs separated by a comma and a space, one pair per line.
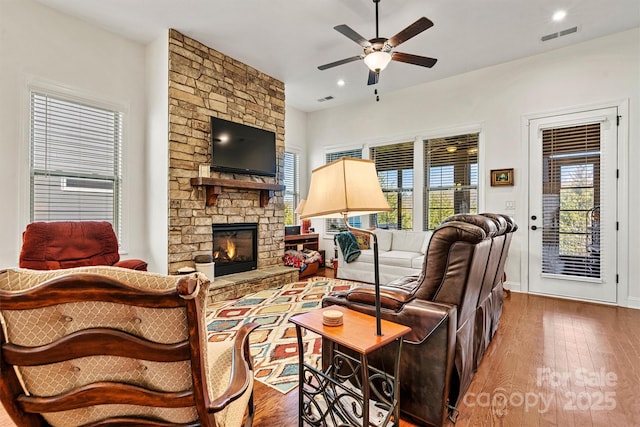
347, 391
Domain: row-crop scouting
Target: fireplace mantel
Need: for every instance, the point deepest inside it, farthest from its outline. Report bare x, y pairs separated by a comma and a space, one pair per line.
214, 187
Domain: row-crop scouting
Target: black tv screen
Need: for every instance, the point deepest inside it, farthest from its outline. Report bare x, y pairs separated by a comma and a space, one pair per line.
240, 148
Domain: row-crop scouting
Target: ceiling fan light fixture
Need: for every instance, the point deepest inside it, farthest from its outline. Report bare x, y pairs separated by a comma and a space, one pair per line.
377, 61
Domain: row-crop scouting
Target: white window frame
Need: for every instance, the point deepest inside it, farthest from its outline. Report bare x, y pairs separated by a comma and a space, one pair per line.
48, 88
295, 192
356, 221
479, 182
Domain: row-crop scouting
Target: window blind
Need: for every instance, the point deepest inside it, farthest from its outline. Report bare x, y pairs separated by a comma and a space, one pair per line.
451, 177
291, 182
394, 164
76, 154
571, 200
335, 225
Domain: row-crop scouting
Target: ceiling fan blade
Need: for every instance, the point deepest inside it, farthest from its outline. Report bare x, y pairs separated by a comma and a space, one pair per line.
412, 30
423, 61
347, 31
336, 63
373, 78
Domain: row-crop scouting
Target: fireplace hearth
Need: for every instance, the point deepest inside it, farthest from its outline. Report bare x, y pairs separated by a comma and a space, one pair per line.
235, 248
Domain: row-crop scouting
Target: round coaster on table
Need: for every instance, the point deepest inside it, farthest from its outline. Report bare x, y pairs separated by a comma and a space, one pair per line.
332, 318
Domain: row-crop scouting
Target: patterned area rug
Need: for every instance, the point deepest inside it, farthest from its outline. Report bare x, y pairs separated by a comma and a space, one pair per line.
274, 345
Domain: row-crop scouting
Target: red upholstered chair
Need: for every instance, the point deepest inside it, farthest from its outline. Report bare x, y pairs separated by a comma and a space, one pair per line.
68, 244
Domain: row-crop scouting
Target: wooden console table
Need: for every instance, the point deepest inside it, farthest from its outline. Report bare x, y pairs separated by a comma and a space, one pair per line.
308, 241
341, 394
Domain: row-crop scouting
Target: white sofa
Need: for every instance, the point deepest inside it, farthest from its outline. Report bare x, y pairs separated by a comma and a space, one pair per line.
400, 253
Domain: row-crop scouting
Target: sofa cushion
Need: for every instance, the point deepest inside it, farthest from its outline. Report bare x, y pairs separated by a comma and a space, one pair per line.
366, 255
384, 239
407, 240
417, 262
397, 258
425, 243
363, 241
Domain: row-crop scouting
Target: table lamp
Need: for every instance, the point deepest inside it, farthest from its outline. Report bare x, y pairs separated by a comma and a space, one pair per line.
344, 188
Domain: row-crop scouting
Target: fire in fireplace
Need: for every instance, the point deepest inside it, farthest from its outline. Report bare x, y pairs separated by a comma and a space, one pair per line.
235, 248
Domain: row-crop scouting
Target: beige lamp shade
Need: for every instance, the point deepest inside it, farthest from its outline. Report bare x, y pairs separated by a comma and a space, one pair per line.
300, 207
346, 186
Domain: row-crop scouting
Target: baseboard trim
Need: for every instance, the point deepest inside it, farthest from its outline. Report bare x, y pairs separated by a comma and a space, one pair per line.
633, 302
513, 286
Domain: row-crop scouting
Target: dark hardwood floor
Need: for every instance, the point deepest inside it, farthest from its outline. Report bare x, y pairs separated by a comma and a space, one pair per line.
552, 362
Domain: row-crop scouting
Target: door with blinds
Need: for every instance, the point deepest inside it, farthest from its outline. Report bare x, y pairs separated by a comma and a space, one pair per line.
572, 205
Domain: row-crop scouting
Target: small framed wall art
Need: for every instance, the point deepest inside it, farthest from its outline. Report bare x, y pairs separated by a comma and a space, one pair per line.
501, 177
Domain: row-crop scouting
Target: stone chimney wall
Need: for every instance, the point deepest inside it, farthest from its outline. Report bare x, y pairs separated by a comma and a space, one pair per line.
203, 83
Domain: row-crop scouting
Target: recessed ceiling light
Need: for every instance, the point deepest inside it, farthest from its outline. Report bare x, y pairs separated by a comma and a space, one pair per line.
559, 15
340, 82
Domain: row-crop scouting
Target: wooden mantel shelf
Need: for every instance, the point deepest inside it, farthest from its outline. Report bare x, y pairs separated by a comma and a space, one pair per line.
214, 187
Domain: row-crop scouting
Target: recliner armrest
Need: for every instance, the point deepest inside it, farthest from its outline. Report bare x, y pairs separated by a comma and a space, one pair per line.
133, 264
423, 317
392, 298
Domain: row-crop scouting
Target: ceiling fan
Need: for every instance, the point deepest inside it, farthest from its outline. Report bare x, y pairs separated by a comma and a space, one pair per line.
379, 51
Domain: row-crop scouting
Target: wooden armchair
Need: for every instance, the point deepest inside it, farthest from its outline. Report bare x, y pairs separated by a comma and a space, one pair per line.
107, 346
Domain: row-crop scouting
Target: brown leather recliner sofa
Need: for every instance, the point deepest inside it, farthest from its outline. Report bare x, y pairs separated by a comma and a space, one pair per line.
442, 306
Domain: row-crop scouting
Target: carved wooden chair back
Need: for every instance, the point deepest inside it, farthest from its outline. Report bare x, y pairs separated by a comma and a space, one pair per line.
98, 346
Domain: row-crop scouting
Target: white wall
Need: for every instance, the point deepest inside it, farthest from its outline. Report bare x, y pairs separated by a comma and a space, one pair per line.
295, 140
40, 45
157, 153
604, 70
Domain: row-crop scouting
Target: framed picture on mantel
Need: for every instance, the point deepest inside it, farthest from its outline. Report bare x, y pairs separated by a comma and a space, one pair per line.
501, 177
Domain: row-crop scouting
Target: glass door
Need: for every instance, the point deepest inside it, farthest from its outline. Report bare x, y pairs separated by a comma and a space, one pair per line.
572, 222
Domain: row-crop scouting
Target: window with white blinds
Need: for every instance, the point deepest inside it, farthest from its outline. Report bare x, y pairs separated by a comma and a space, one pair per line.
571, 200
76, 155
291, 183
451, 177
336, 225
394, 164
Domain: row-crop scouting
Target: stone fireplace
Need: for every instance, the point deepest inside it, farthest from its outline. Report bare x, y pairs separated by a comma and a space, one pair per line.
204, 83
235, 248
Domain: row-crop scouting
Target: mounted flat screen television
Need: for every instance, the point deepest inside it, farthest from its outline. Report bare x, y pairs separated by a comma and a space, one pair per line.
240, 148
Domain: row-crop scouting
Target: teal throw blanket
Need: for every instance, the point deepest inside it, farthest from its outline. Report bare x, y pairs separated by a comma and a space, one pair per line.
348, 245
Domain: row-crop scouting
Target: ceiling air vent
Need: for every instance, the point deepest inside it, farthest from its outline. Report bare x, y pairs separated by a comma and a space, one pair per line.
326, 98
559, 34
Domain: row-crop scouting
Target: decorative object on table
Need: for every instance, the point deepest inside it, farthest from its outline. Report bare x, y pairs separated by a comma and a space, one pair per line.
501, 177
332, 318
205, 265
186, 270
273, 346
305, 223
204, 171
291, 230
344, 188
